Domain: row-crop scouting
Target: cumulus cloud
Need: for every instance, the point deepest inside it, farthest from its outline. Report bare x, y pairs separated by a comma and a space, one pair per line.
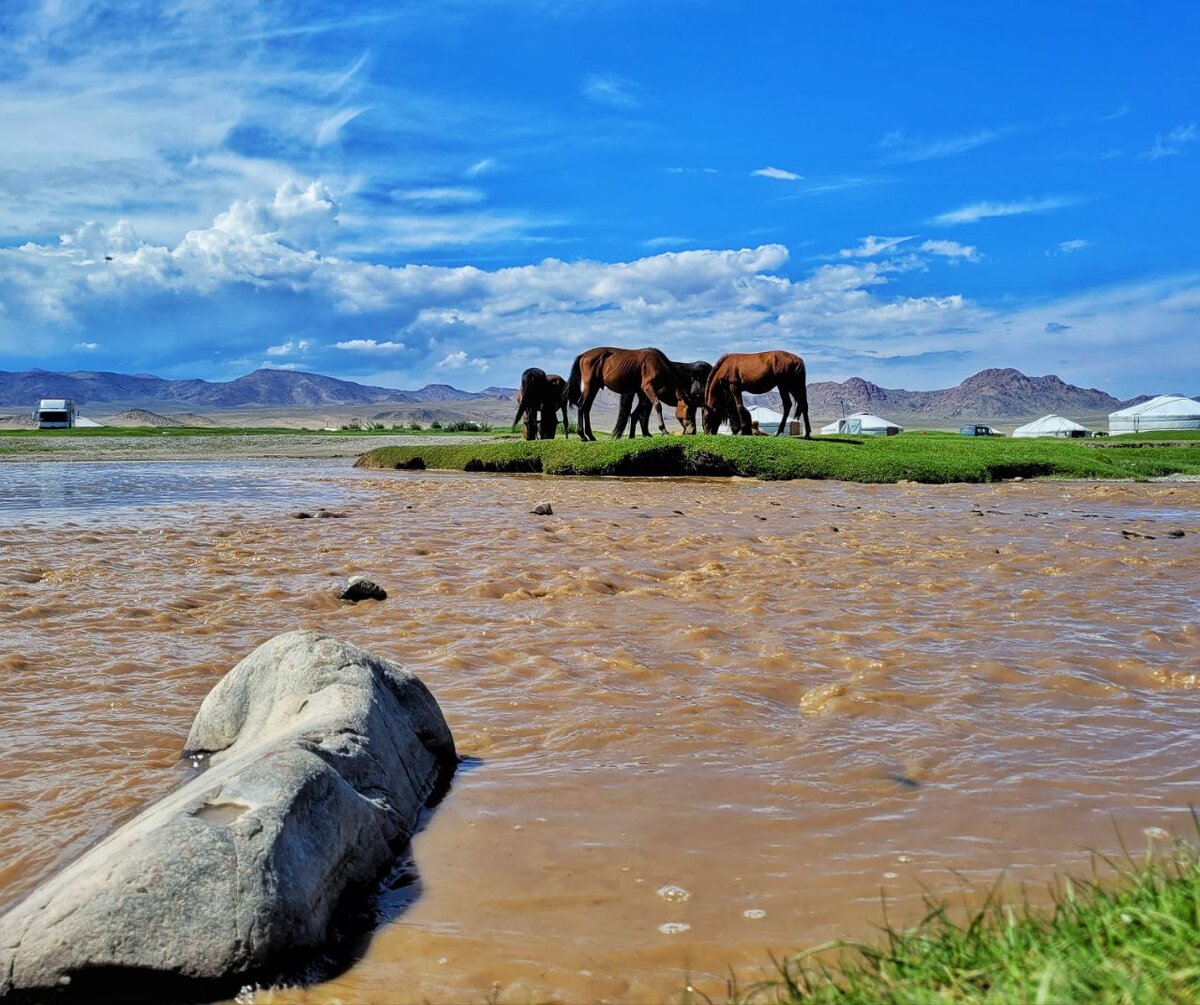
459, 360
779, 174
872, 246
985, 210
250, 268
369, 345
288, 348
1171, 144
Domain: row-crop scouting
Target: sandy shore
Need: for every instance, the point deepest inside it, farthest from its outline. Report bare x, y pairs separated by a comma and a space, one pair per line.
204, 448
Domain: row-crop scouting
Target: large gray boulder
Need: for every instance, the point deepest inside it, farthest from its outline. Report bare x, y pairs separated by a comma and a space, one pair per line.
320, 757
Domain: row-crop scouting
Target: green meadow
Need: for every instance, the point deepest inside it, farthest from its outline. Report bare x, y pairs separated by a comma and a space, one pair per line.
916, 457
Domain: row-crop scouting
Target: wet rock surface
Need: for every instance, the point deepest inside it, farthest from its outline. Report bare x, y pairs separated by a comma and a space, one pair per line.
320, 758
361, 588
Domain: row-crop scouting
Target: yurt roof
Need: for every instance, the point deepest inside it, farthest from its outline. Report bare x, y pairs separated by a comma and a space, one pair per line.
1164, 404
1048, 424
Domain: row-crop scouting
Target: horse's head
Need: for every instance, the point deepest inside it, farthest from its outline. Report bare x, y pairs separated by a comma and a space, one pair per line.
714, 413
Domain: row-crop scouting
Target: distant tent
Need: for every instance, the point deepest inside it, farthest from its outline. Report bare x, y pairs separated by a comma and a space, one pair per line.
767, 418
1167, 411
863, 424
1052, 425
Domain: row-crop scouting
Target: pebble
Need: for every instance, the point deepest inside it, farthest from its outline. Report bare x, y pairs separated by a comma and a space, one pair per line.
674, 927
676, 894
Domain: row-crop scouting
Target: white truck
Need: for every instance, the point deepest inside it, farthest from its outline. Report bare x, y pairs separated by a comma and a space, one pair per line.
55, 413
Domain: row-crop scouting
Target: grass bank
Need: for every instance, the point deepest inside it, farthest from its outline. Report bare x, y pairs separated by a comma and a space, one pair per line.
914, 457
124, 432
1132, 937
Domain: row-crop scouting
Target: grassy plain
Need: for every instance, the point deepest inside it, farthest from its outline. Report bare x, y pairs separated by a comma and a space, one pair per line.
917, 457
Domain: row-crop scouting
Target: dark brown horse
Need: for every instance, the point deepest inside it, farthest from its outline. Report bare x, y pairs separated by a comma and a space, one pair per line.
539, 398
692, 378
756, 372
646, 373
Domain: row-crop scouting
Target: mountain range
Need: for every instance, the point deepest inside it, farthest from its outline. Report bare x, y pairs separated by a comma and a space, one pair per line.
989, 394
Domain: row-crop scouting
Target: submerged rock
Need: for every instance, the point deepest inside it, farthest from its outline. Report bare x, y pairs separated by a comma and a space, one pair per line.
360, 588
320, 759
542, 509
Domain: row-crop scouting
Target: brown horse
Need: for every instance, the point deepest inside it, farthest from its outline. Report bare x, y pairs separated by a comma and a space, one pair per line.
692, 378
644, 372
756, 372
539, 398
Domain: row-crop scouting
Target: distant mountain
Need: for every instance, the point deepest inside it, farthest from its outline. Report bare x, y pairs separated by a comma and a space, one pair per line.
998, 394
262, 389
989, 394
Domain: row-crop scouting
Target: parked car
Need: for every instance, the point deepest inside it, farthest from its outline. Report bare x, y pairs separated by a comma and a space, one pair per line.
974, 429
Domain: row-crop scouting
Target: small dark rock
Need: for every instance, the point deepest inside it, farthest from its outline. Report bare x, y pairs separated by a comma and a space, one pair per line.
1174, 533
677, 512
836, 530
302, 515
1130, 534
328, 514
542, 509
360, 588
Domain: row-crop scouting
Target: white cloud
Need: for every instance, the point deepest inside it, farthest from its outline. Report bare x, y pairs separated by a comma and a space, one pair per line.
1075, 244
612, 90
330, 127
444, 196
459, 360
481, 167
779, 174
288, 348
872, 246
369, 345
985, 210
87, 346
951, 250
1171, 144
847, 317
911, 149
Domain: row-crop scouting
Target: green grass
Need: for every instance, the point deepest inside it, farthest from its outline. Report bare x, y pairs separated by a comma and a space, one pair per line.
912, 456
1130, 934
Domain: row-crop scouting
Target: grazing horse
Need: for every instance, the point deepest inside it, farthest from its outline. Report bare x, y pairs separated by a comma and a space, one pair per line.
692, 380
644, 372
756, 372
539, 398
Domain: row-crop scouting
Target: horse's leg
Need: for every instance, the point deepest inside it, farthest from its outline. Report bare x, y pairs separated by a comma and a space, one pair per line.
786, 400
685, 414
739, 418
644, 415
566, 424
623, 416
656, 403
585, 412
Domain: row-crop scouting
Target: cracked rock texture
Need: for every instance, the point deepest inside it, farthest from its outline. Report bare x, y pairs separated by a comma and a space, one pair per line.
320, 758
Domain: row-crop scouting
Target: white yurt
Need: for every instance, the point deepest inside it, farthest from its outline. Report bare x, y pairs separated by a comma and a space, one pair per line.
767, 418
1052, 425
1167, 411
863, 424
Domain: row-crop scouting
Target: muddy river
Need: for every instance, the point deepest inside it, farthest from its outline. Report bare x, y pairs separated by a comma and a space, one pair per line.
703, 720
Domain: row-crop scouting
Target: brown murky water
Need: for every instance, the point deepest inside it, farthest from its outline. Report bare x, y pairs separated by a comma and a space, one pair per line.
742, 708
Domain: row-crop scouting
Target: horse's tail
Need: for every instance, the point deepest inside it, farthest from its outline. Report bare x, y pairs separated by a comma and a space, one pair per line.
574, 392
525, 395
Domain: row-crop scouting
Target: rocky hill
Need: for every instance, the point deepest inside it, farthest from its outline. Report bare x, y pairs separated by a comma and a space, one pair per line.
998, 394
990, 394
260, 389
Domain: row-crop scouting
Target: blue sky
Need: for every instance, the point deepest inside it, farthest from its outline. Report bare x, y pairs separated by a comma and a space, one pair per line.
453, 190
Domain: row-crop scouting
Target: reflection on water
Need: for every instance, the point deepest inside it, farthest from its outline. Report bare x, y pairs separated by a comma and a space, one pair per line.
54, 493
712, 718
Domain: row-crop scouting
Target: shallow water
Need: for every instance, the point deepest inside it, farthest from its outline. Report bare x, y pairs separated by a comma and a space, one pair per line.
748, 717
